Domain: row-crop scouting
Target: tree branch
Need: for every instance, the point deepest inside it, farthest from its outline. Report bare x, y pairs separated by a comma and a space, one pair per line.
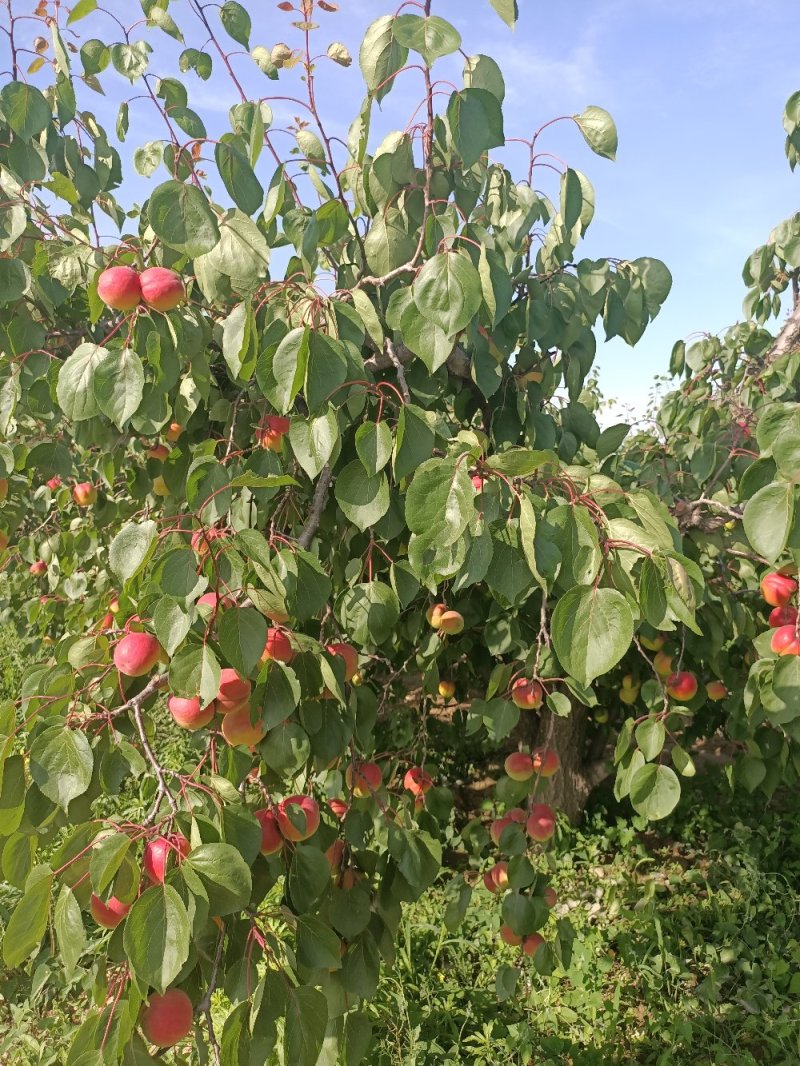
135, 706
689, 514
458, 362
391, 351
317, 507
204, 1006
788, 340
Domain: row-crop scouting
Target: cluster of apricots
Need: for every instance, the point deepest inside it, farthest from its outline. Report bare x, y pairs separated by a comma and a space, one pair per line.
123, 288
539, 824
447, 621
779, 589
680, 685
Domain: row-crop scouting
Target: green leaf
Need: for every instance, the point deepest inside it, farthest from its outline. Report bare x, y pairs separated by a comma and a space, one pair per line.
157, 936
242, 635
12, 225
164, 21
61, 763
610, 440
388, 244
237, 175
439, 501
431, 36
225, 876
447, 291
509, 13
350, 910
81, 10
305, 1025
106, 859
181, 217
368, 315
482, 72
309, 875
195, 672
414, 440
326, 370
381, 56
361, 966
591, 629
28, 923
131, 547
131, 60
236, 22
786, 686
655, 791
70, 934
650, 736
424, 338
476, 123
200, 62
236, 335
12, 794
118, 382
364, 500
75, 388
599, 131
374, 446
289, 367
369, 612
25, 109
51, 456
768, 518
313, 441
317, 944
176, 574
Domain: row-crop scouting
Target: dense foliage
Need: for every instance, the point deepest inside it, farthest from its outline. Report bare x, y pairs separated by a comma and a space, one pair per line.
313, 429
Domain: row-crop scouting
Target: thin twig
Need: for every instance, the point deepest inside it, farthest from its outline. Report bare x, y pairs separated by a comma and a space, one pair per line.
163, 790
401, 375
317, 507
204, 1006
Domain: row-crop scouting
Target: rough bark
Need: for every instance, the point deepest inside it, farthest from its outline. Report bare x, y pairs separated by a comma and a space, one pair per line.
583, 767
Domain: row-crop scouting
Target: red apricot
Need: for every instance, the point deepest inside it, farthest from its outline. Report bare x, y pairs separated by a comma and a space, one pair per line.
271, 838
785, 641
778, 589
418, 781
350, 656
157, 854
298, 817
84, 494
526, 694
546, 762
278, 647
119, 287
237, 727
541, 822
189, 714
162, 288
682, 686
363, 779
110, 913
136, 654
233, 690
167, 1019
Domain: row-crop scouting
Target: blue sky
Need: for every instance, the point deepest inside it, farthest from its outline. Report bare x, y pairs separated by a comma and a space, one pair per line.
697, 89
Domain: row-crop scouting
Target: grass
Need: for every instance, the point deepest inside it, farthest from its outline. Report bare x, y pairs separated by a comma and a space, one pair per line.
686, 952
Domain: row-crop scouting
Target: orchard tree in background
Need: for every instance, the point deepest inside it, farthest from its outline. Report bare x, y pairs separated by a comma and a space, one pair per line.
308, 429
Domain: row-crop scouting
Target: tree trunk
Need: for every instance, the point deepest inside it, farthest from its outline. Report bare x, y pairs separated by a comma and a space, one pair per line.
582, 764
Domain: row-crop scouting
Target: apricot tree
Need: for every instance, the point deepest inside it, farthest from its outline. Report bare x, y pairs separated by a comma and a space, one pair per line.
292, 423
